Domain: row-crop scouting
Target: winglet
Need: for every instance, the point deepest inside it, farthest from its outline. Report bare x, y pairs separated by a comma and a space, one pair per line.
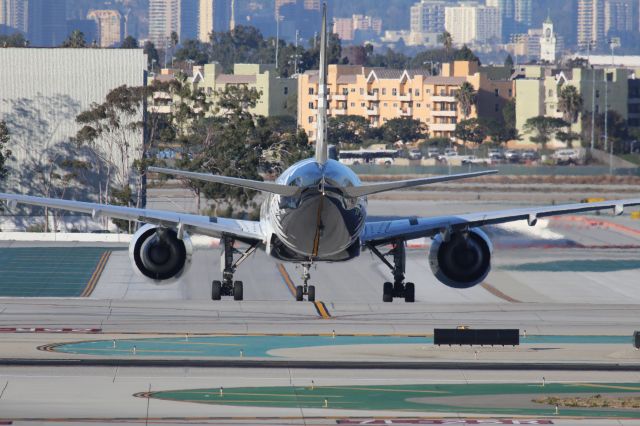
321, 128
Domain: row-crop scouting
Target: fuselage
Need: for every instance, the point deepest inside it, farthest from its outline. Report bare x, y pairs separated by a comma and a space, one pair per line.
319, 224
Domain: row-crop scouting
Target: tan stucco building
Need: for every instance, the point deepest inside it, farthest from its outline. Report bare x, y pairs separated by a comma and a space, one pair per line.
381, 94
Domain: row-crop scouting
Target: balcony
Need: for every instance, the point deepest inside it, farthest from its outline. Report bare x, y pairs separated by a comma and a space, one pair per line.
407, 112
159, 109
339, 111
442, 127
338, 97
441, 98
405, 97
372, 111
372, 96
444, 113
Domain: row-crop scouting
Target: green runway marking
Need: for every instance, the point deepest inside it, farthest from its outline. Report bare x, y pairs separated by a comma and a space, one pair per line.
47, 271
432, 398
260, 346
604, 265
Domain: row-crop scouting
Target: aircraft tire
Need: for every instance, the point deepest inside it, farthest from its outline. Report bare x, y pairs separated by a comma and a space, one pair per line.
387, 292
311, 293
410, 292
216, 290
299, 293
238, 290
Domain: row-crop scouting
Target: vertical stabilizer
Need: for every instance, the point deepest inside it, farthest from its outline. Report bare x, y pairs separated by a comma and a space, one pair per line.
321, 129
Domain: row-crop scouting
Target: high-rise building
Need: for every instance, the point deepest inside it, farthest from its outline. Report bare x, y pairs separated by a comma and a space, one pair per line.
109, 24
522, 14
590, 23
164, 19
344, 28
473, 23
620, 16
223, 15
279, 4
14, 16
47, 23
506, 8
428, 16
189, 19
206, 16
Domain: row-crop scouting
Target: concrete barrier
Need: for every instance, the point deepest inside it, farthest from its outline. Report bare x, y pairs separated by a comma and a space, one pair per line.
199, 241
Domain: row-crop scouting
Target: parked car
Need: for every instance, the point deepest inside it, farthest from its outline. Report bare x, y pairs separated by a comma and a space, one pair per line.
566, 156
448, 153
415, 154
512, 156
530, 155
433, 152
472, 159
496, 154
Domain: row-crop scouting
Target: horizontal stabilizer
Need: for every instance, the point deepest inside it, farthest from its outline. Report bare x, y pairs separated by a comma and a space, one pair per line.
361, 191
270, 187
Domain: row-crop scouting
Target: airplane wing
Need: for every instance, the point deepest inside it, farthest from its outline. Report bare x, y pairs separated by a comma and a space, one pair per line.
205, 225
374, 188
410, 228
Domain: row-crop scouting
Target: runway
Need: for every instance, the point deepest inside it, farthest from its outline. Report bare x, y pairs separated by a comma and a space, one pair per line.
569, 286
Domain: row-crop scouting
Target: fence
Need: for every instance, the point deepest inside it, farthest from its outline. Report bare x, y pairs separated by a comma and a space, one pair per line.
503, 169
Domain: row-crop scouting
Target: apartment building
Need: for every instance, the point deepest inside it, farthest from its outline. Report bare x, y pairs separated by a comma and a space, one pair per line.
277, 94
427, 16
14, 16
591, 23
538, 89
381, 94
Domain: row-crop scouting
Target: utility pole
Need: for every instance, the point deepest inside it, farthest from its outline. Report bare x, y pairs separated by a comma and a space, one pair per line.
593, 96
295, 56
606, 110
277, 38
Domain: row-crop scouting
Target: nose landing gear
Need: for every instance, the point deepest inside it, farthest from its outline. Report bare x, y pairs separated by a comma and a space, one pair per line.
308, 290
397, 289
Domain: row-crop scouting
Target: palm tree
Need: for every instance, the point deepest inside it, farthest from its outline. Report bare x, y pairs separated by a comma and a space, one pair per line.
570, 103
446, 40
466, 98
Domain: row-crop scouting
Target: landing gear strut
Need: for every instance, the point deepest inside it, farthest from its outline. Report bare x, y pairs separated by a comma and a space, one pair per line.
398, 288
229, 287
309, 290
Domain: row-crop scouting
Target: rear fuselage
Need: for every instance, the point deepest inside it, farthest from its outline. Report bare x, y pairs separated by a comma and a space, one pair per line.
320, 224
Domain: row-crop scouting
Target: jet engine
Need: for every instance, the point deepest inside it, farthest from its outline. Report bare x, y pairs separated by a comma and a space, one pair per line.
463, 260
159, 254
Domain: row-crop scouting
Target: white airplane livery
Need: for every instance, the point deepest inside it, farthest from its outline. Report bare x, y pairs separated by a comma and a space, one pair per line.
316, 211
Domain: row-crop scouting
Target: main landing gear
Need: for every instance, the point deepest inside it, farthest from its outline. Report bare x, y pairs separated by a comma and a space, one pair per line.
398, 288
229, 287
308, 290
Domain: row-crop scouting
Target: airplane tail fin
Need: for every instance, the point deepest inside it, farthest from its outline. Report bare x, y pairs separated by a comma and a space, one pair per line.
321, 129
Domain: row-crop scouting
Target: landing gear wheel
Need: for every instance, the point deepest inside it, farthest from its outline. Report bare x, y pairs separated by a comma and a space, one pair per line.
387, 292
409, 292
311, 293
237, 290
216, 290
398, 289
299, 293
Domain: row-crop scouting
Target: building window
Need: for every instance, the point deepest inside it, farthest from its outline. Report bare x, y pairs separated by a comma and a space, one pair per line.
428, 91
345, 91
597, 94
310, 105
353, 104
362, 104
428, 106
417, 92
510, 92
496, 108
385, 104
395, 105
497, 92
311, 119
361, 92
311, 91
384, 91
418, 105
310, 133
394, 92
550, 93
286, 90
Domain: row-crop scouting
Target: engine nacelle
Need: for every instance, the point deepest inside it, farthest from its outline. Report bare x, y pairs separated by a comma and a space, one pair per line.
158, 254
463, 261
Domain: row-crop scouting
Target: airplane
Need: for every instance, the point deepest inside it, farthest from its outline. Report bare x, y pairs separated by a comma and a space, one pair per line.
316, 211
